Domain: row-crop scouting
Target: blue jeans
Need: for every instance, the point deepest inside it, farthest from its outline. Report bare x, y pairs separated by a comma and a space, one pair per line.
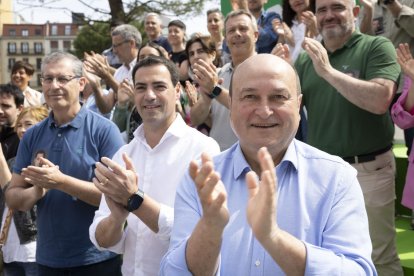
111, 267
20, 269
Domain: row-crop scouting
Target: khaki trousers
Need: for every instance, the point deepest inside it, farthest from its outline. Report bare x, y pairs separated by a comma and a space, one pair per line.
377, 180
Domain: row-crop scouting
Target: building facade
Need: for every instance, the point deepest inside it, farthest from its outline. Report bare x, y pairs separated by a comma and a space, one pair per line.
31, 42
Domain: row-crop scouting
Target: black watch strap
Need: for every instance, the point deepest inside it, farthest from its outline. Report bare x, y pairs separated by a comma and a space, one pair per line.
216, 92
135, 201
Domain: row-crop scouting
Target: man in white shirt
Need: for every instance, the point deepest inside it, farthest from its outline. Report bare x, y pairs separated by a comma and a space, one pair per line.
141, 190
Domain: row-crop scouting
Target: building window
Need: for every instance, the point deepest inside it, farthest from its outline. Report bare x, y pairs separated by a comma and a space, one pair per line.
12, 61
66, 45
54, 45
12, 32
38, 47
11, 47
39, 77
38, 63
25, 47
54, 29
26, 60
67, 29
38, 31
25, 32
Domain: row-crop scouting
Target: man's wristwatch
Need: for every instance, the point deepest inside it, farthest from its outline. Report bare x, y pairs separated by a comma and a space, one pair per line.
135, 201
388, 2
216, 92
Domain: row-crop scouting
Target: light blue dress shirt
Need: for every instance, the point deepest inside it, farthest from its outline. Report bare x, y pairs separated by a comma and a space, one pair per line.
319, 202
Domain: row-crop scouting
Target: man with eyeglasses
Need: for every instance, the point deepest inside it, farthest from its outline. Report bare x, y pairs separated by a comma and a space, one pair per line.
73, 138
126, 40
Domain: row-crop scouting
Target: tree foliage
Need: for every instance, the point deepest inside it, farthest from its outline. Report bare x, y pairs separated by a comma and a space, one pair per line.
94, 37
95, 34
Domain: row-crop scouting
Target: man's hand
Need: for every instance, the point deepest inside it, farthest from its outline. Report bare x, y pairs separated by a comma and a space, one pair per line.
125, 92
319, 56
284, 32
309, 19
262, 203
114, 181
191, 92
282, 51
205, 74
405, 59
93, 79
211, 192
47, 176
98, 65
118, 212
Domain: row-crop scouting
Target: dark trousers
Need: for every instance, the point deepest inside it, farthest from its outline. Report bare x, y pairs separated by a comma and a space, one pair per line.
20, 269
111, 267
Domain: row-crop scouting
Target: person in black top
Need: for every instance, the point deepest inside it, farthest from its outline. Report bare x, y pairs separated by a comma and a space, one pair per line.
11, 103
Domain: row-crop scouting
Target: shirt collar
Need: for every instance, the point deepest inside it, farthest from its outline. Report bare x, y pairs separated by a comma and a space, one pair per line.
241, 167
355, 37
176, 129
75, 123
131, 64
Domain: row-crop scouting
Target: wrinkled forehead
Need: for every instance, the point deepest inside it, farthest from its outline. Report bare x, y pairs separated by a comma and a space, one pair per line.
325, 3
152, 19
253, 75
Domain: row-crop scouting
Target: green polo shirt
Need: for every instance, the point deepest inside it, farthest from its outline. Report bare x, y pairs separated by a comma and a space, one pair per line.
335, 125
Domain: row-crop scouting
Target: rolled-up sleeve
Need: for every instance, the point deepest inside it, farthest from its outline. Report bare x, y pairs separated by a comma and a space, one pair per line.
345, 247
401, 117
102, 213
165, 222
189, 210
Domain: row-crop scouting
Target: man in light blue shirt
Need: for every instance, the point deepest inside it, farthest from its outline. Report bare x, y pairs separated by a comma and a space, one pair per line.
304, 216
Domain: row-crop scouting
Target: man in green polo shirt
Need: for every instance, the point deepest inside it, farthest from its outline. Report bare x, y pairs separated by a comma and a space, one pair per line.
348, 82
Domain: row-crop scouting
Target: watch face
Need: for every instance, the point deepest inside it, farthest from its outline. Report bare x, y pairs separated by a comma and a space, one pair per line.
216, 91
134, 202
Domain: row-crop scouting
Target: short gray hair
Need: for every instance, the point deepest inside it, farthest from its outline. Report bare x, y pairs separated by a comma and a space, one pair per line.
238, 13
56, 57
128, 32
156, 15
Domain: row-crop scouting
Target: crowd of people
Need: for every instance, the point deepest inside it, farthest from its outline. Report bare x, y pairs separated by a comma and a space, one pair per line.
261, 148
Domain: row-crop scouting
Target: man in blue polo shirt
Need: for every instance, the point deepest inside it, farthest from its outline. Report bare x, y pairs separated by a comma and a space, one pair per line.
74, 139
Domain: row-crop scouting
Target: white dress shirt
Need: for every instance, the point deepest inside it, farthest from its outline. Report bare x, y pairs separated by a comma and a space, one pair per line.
159, 169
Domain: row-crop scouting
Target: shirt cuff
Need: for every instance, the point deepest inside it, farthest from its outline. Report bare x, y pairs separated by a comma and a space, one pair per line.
322, 261
174, 263
165, 222
118, 248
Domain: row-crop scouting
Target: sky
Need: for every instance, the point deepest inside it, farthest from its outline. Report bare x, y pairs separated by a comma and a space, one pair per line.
33, 11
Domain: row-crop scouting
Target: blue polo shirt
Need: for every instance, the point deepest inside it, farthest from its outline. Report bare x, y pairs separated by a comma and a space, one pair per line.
63, 221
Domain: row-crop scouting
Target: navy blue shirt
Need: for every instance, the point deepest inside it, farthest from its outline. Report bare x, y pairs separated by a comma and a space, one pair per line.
267, 36
63, 221
163, 41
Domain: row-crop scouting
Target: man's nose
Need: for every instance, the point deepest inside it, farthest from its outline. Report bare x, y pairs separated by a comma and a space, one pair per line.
150, 94
264, 110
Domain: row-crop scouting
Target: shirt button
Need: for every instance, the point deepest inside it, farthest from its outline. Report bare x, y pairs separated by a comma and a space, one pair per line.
257, 263
59, 134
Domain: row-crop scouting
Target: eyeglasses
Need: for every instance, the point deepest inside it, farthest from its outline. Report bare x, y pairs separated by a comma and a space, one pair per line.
61, 80
119, 44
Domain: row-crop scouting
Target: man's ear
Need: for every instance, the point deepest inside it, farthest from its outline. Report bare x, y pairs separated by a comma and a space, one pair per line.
82, 83
20, 108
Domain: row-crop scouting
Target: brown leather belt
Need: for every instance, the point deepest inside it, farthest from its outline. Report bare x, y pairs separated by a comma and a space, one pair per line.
366, 157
